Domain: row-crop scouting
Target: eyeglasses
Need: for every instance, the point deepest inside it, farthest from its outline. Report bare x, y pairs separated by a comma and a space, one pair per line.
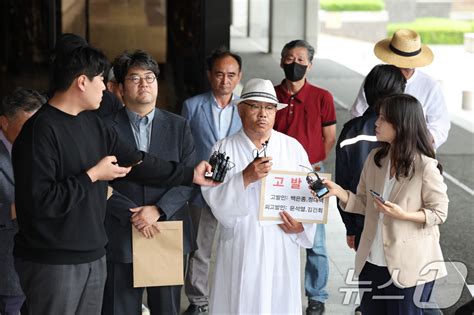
149, 78
257, 108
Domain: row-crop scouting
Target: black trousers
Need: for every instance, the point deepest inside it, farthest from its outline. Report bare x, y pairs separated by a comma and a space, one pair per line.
62, 289
381, 296
121, 298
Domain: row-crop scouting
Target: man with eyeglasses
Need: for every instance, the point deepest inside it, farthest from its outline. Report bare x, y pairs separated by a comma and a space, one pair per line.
165, 135
310, 118
212, 117
62, 160
257, 263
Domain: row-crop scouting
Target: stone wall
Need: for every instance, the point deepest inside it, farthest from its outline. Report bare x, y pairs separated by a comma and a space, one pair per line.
437, 8
401, 10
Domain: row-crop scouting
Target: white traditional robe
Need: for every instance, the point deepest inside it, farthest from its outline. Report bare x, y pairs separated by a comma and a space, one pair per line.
257, 264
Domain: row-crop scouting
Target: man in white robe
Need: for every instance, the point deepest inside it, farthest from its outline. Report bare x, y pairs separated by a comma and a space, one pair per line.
257, 263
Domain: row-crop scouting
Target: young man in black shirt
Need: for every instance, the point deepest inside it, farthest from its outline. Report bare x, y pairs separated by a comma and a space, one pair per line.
66, 43
62, 161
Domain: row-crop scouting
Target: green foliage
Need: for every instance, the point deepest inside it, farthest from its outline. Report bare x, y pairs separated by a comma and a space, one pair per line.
352, 5
436, 30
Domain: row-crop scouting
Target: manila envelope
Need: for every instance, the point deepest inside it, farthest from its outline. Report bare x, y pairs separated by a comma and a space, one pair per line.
158, 261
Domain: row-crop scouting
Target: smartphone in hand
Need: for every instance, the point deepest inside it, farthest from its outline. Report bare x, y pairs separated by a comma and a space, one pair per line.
377, 196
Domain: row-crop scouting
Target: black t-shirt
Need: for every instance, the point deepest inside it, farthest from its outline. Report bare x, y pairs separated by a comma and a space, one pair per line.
110, 104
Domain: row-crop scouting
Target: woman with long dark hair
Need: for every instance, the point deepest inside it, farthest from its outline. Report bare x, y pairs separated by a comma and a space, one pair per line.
403, 197
357, 140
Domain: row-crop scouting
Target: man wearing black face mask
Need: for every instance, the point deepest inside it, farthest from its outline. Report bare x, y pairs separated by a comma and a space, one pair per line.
310, 118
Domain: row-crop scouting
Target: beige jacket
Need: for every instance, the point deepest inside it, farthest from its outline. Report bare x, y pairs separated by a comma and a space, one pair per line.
412, 250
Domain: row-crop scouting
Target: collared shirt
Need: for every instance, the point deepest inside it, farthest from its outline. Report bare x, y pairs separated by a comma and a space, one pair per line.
308, 112
141, 127
222, 117
429, 94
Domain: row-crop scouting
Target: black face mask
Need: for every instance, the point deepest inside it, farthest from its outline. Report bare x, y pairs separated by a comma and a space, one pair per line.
294, 71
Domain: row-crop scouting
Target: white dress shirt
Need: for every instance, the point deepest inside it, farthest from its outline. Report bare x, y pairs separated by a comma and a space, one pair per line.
377, 254
429, 94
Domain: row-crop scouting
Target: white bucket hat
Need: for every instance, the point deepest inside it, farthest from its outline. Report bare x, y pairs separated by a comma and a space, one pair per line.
260, 90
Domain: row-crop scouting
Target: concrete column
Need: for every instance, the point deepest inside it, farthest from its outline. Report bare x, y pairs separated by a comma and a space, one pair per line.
240, 15
292, 19
312, 26
287, 22
259, 19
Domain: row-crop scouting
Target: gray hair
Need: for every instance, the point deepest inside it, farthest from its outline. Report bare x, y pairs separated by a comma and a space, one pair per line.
21, 99
298, 43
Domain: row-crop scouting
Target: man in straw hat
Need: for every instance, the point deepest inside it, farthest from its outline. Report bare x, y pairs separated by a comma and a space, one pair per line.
257, 264
405, 51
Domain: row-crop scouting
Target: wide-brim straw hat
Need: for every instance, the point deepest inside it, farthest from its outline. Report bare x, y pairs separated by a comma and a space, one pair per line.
404, 50
260, 90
